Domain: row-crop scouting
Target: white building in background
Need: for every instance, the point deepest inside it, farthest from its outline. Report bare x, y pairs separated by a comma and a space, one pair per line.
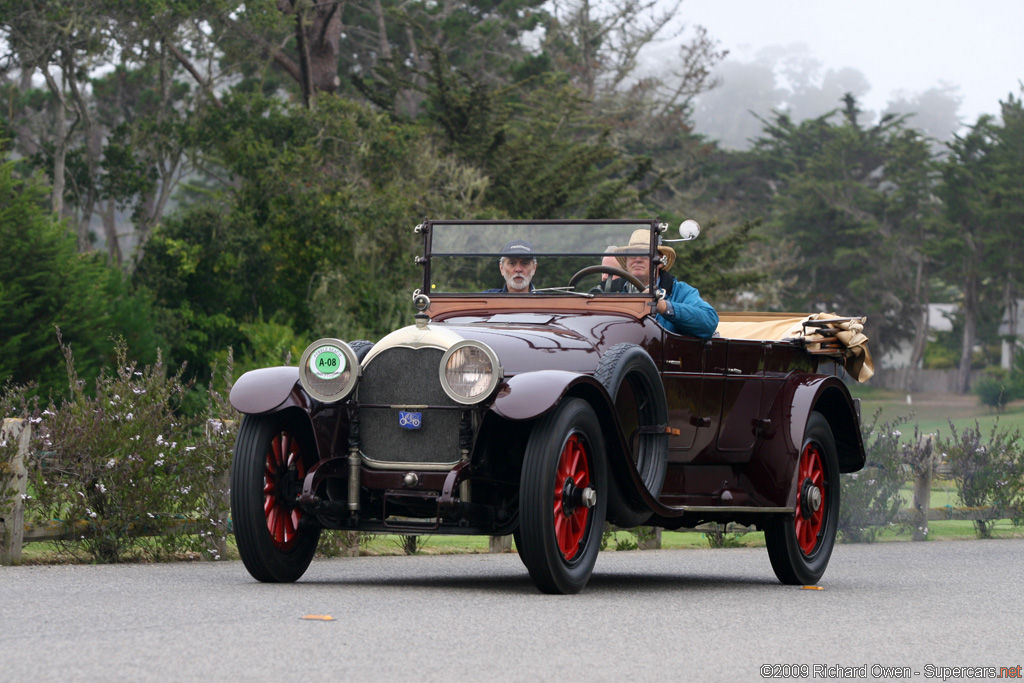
1010, 332
940, 319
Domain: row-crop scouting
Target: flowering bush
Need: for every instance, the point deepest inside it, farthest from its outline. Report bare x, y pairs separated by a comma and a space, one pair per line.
123, 460
871, 498
987, 473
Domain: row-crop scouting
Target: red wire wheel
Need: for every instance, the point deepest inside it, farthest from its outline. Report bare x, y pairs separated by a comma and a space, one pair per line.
810, 499
282, 520
573, 473
562, 498
273, 454
800, 546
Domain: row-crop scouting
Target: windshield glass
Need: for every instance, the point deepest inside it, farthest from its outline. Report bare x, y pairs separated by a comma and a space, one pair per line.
466, 256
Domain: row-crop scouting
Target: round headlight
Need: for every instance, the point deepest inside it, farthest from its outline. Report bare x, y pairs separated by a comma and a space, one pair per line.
329, 370
470, 372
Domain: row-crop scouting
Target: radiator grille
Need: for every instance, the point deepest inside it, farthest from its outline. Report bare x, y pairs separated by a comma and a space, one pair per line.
404, 376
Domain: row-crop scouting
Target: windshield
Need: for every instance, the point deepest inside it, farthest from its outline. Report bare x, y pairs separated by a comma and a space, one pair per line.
483, 256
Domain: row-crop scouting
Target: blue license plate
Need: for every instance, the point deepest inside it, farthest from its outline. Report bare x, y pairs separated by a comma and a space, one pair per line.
407, 420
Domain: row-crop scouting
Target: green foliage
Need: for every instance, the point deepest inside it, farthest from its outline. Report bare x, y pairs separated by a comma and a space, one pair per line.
720, 538
543, 154
44, 283
996, 388
121, 459
941, 354
988, 472
871, 498
316, 238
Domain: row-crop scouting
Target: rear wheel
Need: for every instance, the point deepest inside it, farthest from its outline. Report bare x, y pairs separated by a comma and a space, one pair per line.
270, 460
799, 548
562, 498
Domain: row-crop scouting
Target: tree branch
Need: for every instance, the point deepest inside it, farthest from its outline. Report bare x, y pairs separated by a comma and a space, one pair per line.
185, 62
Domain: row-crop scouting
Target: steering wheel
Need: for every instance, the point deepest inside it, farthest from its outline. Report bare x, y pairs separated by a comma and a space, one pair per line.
611, 270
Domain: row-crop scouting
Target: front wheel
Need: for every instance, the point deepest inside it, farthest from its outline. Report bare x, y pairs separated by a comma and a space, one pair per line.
271, 457
799, 548
563, 498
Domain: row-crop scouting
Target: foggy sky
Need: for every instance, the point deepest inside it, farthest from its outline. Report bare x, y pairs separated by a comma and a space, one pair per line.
899, 45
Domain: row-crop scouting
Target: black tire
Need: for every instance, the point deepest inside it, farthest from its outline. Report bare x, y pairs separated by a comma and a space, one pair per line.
271, 452
643, 404
564, 456
360, 347
800, 547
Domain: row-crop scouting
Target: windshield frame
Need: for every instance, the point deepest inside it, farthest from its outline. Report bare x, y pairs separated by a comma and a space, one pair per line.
432, 248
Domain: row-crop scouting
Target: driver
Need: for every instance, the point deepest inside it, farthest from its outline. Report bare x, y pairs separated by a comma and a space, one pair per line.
517, 266
682, 310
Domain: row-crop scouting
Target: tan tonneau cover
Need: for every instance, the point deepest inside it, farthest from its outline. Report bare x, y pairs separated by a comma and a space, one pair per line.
821, 333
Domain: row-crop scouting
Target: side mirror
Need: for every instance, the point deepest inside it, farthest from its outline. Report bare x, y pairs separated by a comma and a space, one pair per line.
688, 230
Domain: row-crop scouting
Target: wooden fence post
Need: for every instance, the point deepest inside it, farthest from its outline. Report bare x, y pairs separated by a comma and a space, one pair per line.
12, 507
500, 544
649, 537
922, 468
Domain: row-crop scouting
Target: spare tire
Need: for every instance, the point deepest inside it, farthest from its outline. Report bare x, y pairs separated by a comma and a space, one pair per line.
360, 347
634, 383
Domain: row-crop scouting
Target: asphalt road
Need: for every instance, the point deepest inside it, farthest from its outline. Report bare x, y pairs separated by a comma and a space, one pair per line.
667, 615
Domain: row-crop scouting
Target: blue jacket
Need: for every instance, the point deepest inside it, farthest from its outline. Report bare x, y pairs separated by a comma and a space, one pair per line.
687, 313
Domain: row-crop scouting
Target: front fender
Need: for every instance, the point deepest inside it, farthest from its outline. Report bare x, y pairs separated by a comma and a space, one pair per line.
531, 394
263, 390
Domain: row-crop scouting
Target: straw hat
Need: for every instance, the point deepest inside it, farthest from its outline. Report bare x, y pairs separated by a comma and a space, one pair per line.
641, 239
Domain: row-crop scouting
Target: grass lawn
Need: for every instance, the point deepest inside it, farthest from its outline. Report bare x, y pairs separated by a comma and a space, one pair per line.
933, 412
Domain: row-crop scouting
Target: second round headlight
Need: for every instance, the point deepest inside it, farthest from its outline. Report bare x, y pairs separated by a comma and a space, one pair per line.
470, 372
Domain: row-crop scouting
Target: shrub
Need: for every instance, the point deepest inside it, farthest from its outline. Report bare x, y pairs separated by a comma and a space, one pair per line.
996, 389
987, 473
122, 459
871, 498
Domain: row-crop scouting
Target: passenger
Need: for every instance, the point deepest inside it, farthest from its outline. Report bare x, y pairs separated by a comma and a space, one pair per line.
682, 310
610, 262
516, 267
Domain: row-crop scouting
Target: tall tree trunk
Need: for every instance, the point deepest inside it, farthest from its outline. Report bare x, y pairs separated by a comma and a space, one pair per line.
60, 142
921, 300
319, 39
1010, 306
114, 255
92, 146
970, 314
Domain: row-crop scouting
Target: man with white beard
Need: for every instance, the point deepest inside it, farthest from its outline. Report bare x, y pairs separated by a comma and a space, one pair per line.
517, 266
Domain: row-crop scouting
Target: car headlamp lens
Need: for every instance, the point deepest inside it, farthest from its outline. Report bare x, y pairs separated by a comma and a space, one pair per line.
470, 372
329, 370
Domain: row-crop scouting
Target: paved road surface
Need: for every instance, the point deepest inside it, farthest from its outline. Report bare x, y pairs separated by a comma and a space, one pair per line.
668, 615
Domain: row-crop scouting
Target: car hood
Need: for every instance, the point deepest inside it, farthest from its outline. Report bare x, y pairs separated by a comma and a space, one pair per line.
527, 342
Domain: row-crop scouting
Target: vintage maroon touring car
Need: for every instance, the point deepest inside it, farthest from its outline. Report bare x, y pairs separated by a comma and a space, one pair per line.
543, 415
